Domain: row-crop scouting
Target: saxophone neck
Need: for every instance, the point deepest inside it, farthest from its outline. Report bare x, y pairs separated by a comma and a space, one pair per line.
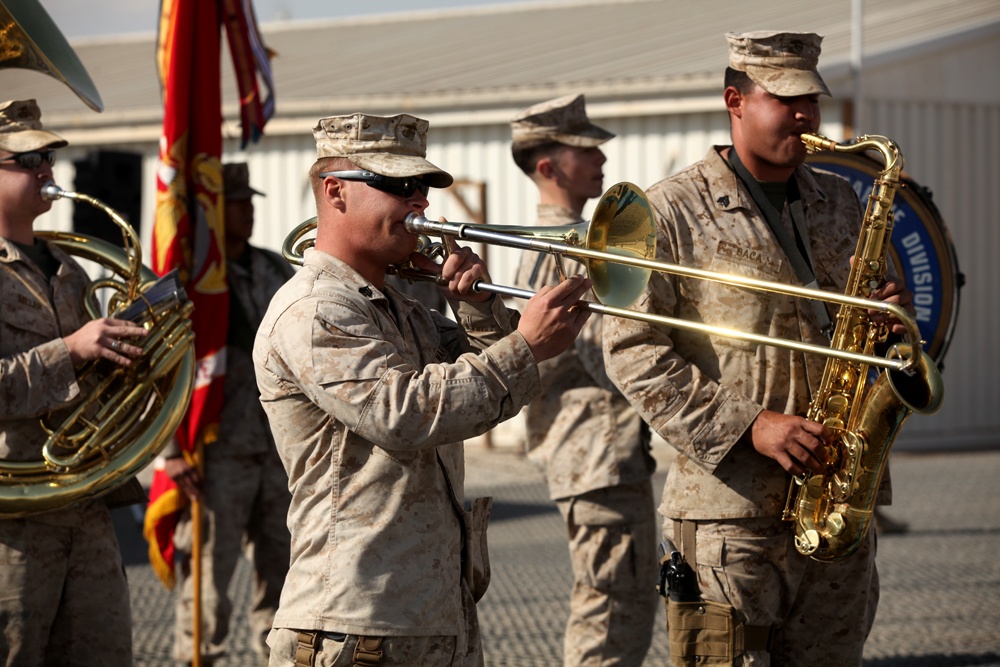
891, 154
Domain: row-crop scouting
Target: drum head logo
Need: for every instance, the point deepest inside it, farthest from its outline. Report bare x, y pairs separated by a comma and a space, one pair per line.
921, 247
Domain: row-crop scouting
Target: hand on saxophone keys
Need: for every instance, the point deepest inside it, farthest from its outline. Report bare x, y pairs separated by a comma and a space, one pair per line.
799, 445
892, 290
103, 339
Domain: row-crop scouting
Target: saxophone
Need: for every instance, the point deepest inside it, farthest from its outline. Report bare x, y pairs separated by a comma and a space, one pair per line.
832, 511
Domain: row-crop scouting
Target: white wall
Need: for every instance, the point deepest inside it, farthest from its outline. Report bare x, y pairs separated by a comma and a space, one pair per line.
942, 106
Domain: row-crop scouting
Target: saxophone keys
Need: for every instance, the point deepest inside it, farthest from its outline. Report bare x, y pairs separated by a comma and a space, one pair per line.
808, 542
815, 486
841, 486
836, 406
835, 523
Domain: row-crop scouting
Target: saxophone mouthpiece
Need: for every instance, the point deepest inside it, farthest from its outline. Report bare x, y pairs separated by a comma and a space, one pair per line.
817, 142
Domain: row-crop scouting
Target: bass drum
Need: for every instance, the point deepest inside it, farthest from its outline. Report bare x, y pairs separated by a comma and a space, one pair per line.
921, 246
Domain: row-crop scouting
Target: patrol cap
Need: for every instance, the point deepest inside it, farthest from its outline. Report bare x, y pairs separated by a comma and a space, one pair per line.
387, 145
782, 63
562, 120
236, 182
21, 128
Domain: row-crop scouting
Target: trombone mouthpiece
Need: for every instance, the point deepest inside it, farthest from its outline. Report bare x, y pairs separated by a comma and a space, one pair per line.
50, 191
414, 223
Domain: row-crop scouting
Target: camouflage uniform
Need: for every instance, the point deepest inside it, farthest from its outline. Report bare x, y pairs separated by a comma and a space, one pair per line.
246, 489
369, 396
594, 450
702, 394
425, 292
63, 594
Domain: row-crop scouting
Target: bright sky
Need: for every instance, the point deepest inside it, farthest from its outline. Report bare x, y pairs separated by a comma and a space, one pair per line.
95, 18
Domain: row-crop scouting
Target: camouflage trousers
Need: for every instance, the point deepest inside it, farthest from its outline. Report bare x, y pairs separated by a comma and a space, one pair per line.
821, 613
64, 599
612, 546
245, 511
334, 649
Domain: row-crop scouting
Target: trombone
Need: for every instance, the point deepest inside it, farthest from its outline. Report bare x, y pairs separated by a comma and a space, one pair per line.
619, 246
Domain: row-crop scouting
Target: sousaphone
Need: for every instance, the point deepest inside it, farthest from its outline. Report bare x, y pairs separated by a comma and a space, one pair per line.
29, 39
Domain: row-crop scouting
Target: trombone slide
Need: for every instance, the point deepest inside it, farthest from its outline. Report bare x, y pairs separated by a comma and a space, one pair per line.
418, 224
895, 364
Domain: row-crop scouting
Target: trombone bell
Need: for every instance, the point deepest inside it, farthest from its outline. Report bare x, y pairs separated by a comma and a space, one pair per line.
622, 224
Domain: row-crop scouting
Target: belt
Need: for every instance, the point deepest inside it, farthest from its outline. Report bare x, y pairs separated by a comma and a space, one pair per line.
367, 652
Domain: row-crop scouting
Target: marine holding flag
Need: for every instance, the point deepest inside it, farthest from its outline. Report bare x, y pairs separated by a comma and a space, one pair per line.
188, 235
244, 489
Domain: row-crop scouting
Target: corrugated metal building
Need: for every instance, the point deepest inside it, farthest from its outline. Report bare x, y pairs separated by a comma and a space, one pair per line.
926, 74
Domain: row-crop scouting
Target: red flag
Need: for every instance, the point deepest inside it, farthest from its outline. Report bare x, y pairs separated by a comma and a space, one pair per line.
250, 60
188, 233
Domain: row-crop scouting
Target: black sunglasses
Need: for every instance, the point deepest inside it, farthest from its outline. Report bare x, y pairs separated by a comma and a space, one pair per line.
32, 160
394, 185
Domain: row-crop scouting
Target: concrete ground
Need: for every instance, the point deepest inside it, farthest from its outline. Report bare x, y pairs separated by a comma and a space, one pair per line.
940, 601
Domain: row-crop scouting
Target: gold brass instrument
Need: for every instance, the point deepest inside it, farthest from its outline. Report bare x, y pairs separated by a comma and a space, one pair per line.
29, 39
832, 511
619, 243
622, 226
130, 413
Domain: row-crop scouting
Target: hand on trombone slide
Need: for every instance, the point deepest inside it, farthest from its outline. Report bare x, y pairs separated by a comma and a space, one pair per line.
551, 319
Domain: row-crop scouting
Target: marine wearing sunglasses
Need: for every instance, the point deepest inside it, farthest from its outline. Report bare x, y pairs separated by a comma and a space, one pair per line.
394, 185
31, 160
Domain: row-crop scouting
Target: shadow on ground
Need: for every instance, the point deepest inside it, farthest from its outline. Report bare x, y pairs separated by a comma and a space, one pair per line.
952, 660
508, 510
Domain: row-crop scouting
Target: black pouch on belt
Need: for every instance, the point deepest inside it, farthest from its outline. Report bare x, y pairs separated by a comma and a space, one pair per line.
699, 632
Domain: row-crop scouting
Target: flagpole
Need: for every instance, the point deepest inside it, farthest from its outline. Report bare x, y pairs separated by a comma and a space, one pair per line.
190, 221
196, 540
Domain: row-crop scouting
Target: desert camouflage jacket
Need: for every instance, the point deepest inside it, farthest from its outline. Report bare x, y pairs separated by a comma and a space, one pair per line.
702, 393
37, 378
243, 427
369, 396
36, 374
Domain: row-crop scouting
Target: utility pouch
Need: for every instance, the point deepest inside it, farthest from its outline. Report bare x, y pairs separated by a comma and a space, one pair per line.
476, 555
700, 633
